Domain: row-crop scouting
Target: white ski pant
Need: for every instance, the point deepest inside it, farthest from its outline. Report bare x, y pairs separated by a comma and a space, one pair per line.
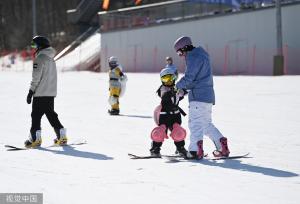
200, 124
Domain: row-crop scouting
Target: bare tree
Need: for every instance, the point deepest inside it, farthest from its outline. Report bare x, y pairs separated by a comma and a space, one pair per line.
16, 22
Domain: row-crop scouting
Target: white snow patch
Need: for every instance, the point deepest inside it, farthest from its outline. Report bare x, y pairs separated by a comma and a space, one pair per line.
259, 115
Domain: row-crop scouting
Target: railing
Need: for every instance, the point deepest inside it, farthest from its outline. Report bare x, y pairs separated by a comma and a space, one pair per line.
84, 12
157, 13
85, 56
168, 12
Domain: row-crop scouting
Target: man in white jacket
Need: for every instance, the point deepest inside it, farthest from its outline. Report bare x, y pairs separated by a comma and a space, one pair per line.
43, 89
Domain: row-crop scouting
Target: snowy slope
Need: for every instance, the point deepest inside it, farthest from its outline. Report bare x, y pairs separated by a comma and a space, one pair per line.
78, 59
19, 64
258, 115
81, 55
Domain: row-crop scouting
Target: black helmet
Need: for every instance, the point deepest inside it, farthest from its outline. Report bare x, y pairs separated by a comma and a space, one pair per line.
40, 42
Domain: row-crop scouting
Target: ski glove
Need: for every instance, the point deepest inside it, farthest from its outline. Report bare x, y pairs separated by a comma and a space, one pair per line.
29, 96
181, 92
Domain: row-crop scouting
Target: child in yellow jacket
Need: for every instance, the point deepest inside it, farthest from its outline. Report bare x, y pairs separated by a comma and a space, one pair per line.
116, 77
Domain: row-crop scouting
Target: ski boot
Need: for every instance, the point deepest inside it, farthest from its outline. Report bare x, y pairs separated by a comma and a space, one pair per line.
224, 151
61, 137
114, 111
182, 152
155, 149
180, 149
34, 140
196, 154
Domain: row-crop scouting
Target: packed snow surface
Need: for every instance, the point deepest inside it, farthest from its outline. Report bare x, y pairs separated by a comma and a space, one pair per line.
260, 115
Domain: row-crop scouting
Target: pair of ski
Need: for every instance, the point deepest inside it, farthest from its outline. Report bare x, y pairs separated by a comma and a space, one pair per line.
179, 157
17, 148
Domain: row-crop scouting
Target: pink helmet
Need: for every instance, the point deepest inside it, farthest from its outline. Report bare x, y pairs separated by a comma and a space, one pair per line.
182, 42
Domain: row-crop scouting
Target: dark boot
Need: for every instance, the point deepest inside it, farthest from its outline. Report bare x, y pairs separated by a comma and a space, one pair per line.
155, 149
180, 148
114, 111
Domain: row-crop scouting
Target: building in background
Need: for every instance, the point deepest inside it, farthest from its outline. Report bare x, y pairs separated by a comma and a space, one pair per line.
240, 41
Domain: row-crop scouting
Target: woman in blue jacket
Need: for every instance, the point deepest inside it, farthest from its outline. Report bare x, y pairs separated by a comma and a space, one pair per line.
198, 80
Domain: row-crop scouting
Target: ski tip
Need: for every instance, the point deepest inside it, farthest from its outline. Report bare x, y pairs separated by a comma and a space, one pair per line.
133, 156
14, 148
233, 157
247, 154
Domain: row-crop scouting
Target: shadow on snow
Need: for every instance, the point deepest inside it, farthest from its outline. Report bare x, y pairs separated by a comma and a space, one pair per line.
236, 164
71, 151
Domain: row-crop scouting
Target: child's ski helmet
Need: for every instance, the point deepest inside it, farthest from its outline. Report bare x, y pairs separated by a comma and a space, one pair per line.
169, 59
168, 76
113, 61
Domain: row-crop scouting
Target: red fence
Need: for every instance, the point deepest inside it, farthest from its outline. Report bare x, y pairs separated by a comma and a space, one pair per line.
228, 60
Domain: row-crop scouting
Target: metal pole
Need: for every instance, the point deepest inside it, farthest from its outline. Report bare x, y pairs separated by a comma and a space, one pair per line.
278, 63
33, 18
278, 28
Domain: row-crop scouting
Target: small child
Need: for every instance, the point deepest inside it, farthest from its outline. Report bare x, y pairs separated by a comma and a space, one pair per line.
169, 64
116, 77
169, 115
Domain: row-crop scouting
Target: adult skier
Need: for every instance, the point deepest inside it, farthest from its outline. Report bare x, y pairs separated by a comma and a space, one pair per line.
198, 80
43, 90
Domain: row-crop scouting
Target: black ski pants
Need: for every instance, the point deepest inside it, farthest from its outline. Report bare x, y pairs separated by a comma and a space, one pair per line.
41, 106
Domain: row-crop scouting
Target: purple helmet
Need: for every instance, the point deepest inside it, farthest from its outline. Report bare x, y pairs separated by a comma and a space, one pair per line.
182, 42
